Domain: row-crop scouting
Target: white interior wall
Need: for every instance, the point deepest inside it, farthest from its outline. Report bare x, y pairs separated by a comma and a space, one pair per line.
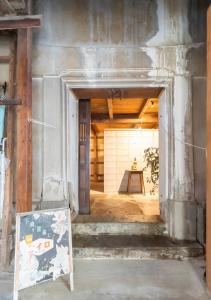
120, 149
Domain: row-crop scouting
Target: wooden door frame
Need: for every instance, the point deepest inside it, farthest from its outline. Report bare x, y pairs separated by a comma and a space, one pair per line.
84, 124
129, 79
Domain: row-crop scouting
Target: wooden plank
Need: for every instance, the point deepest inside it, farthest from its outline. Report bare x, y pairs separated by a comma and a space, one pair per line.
24, 135
143, 109
8, 200
148, 119
110, 108
100, 116
208, 198
20, 22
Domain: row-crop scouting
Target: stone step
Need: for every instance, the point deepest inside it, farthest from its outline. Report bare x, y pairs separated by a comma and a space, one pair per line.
134, 247
113, 228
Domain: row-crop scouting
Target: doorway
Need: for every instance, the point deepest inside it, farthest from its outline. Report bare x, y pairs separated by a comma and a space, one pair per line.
119, 154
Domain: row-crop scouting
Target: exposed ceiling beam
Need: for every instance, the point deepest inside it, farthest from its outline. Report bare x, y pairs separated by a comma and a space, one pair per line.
17, 22
148, 119
99, 116
143, 109
155, 125
110, 108
94, 128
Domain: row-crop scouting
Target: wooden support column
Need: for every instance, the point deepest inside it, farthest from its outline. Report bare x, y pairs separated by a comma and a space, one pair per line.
208, 200
23, 186
8, 199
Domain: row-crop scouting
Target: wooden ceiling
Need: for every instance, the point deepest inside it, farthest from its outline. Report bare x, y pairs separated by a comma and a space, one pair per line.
122, 108
124, 113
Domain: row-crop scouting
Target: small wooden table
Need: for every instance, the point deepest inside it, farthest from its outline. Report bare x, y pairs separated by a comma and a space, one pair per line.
141, 176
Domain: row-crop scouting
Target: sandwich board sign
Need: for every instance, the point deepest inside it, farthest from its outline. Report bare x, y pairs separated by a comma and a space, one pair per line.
43, 248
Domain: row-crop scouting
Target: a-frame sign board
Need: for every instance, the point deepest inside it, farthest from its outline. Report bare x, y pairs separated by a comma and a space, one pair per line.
43, 249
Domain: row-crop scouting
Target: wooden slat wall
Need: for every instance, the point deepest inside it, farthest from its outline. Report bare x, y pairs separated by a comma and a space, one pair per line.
97, 157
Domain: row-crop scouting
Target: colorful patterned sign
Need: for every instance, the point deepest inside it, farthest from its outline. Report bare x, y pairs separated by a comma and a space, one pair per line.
43, 247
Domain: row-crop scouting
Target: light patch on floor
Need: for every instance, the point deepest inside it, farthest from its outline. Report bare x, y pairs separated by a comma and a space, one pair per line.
122, 207
121, 280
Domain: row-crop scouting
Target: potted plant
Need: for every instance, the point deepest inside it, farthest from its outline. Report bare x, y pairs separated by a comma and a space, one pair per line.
151, 159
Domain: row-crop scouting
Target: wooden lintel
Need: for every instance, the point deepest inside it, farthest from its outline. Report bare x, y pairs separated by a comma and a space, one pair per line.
18, 22
145, 120
110, 108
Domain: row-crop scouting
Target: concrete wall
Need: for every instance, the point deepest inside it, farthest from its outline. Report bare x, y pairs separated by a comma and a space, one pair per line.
158, 38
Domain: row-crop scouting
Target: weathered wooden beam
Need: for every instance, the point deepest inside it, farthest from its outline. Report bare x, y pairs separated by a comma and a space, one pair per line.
97, 116
110, 108
8, 196
20, 22
94, 128
148, 119
23, 189
208, 155
143, 109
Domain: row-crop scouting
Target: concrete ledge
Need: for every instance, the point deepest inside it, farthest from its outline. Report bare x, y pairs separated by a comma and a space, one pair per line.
134, 247
178, 253
118, 228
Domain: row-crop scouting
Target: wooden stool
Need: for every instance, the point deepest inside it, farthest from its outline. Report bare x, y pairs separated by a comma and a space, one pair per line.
141, 175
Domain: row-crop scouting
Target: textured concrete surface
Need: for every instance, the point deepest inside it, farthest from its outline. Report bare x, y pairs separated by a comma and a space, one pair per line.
134, 247
83, 226
122, 207
121, 280
164, 42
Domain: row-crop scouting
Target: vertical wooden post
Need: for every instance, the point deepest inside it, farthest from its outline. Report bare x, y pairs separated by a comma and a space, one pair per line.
24, 135
8, 201
208, 200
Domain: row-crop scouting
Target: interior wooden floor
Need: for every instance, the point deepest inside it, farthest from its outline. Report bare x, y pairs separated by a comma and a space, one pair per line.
122, 207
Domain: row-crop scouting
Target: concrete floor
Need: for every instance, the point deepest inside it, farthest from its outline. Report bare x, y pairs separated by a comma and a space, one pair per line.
121, 280
122, 207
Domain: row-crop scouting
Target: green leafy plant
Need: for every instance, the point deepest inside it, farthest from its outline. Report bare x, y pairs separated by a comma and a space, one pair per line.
151, 159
